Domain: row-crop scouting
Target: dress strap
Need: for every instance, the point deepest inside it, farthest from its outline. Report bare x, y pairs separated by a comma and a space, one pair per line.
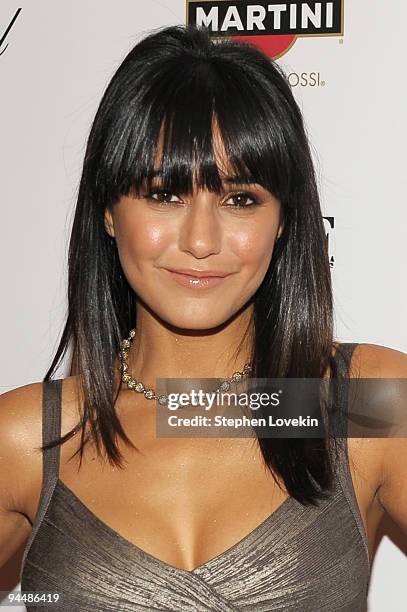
51, 429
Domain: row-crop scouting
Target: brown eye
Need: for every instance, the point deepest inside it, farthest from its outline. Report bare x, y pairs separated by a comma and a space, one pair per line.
163, 196
240, 200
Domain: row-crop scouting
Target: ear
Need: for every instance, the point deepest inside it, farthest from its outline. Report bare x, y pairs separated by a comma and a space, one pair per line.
280, 230
109, 226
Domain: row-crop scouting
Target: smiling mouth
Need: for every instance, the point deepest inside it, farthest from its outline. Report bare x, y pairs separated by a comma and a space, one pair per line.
196, 282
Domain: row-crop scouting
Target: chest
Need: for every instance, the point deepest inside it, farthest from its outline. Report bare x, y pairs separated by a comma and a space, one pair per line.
183, 501
187, 501
291, 557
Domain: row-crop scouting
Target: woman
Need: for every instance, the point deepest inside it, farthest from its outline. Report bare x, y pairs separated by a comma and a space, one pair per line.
197, 166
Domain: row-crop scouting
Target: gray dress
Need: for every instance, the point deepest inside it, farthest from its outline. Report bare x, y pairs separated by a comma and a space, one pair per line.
300, 558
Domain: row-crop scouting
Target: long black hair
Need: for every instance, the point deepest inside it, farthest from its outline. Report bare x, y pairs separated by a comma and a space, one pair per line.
177, 79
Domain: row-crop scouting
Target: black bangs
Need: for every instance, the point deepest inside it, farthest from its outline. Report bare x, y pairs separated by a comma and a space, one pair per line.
167, 124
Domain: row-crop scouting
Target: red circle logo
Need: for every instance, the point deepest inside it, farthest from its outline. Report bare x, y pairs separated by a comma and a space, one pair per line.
274, 45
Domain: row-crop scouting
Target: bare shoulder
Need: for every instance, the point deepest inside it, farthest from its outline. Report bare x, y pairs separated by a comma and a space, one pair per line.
21, 438
21, 460
20, 434
377, 361
388, 455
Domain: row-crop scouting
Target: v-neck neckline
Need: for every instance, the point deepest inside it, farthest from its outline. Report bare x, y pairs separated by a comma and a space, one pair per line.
159, 562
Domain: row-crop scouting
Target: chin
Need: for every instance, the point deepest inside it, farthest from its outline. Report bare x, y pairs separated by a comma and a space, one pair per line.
195, 322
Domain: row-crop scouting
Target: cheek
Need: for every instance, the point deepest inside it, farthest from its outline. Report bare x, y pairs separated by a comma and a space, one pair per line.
254, 244
143, 242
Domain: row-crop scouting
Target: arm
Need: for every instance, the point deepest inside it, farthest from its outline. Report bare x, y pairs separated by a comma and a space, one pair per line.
20, 430
392, 492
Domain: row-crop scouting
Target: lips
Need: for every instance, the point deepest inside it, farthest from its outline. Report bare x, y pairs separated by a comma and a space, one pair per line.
197, 279
200, 273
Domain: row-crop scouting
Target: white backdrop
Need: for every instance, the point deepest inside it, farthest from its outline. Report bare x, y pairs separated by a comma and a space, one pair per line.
59, 58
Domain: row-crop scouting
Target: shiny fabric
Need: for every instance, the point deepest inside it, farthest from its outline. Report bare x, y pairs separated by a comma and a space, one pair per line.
300, 558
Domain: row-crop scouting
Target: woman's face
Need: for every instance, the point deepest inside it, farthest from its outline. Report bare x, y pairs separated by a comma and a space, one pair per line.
226, 234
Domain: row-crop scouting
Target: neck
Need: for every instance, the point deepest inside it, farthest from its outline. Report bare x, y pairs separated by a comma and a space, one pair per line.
160, 350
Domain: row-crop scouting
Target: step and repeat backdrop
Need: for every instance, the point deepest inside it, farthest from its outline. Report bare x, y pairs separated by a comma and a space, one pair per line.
345, 63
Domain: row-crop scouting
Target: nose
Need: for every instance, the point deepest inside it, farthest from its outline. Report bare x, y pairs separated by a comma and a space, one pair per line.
201, 232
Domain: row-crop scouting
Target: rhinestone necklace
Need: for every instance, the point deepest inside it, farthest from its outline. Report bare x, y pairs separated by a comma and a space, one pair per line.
138, 386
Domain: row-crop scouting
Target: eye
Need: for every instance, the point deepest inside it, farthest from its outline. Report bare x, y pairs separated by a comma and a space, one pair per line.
163, 197
240, 199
